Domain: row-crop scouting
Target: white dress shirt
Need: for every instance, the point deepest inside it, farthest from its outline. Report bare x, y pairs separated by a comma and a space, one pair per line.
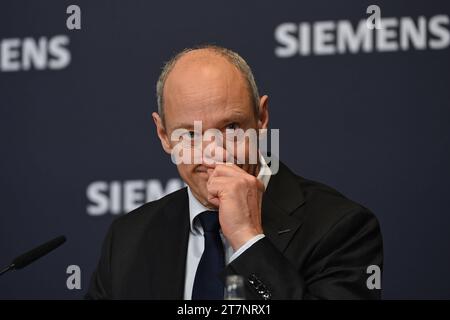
196, 243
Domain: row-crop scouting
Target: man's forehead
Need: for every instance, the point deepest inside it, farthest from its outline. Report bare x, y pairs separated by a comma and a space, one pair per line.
200, 65
197, 82
202, 56
205, 85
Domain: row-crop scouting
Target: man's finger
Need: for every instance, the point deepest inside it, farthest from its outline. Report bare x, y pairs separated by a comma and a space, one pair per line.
228, 170
216, 185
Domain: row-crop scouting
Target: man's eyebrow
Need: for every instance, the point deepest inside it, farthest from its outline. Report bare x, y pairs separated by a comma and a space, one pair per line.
187, 126
235, 116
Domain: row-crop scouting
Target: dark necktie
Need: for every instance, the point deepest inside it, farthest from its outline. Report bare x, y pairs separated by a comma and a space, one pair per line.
207, 284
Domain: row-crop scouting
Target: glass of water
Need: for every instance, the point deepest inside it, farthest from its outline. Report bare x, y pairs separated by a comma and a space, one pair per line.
234, 288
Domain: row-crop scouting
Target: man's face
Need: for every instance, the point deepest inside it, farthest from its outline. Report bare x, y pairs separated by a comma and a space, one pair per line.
205, 87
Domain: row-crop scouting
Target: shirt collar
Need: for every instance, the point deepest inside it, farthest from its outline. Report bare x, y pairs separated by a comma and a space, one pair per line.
196, 207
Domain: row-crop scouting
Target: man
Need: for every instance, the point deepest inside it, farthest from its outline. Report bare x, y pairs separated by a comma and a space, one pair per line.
288, 237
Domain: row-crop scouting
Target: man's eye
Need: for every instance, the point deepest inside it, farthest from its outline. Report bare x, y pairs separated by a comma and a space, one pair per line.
232, 126
191, 137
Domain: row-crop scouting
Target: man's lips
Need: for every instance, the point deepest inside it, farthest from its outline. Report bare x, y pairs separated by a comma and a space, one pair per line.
203, 168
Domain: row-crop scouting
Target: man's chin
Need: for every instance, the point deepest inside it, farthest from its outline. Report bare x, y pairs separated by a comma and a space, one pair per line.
210, 206
206, 203
204, 175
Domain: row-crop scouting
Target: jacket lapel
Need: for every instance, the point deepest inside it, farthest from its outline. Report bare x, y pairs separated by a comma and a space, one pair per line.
168, 240
282, 197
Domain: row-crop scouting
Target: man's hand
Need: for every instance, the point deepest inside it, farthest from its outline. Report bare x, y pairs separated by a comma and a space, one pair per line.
238, 195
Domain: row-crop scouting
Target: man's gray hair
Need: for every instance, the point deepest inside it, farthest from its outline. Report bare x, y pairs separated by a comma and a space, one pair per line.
233, 57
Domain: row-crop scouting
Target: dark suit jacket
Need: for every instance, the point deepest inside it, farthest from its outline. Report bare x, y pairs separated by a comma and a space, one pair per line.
318, 245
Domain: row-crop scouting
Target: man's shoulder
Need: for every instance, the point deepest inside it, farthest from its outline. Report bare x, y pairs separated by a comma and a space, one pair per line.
150, 211
324, 196
325, 207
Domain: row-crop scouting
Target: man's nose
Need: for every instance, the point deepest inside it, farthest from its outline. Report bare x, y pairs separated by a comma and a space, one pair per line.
215, 152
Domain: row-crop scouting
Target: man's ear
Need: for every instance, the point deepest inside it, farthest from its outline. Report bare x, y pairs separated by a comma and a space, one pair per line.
263, 121
162, 134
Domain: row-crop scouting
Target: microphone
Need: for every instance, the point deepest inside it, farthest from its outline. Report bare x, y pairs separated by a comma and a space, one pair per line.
34, 254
